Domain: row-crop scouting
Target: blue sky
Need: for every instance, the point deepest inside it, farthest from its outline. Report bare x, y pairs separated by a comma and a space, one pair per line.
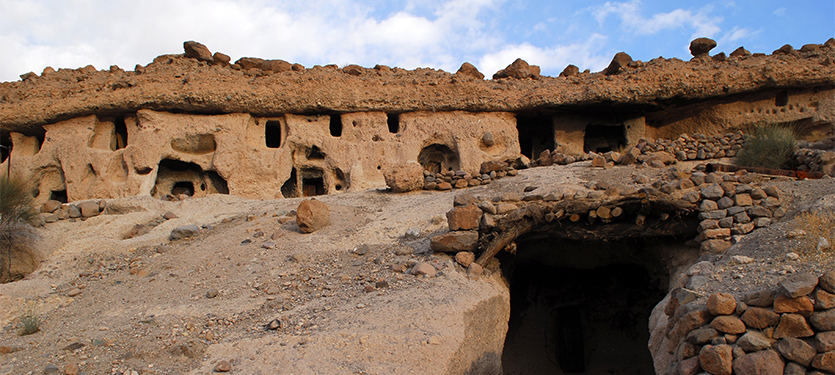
439, 34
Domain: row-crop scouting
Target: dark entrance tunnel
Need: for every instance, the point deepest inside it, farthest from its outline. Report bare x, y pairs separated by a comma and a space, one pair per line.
581, 307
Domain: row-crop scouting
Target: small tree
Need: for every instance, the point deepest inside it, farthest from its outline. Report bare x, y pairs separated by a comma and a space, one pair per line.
15, 213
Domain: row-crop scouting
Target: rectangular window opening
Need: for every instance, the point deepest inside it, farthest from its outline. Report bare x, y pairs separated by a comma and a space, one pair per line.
272, 134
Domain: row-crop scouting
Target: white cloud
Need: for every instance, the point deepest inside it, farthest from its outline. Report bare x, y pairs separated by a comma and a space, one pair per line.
635, 23
737, 34
71, 34
779, 12
552, 60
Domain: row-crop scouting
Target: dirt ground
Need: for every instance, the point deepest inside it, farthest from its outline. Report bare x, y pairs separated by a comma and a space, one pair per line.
147, 306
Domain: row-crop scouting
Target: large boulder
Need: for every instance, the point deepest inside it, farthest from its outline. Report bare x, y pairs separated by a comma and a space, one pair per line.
312, 215
621, 60
89, 208
197, 51
453, 242
701, 46
405, 177
519, 69
184, 232
762, 362
276, 66
468, 69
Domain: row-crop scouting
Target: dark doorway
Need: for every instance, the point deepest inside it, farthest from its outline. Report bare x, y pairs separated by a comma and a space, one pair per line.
437, 158
313, 186
58, 195
183, 187
580, 313
272, 134
602, 138
536, 133
121, 132
5, 146
393, 120
336, 125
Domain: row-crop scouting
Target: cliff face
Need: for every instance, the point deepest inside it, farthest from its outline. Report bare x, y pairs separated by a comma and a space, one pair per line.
196, 124
182, 84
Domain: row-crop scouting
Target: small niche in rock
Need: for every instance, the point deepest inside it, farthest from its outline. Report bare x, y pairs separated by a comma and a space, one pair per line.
781, 99
393, 120
315, 153
336, 125
438, 158
183, 187
536, 133
195, 144
583, 307
602, 138
177, 177
272, 134
58, 195
290, 187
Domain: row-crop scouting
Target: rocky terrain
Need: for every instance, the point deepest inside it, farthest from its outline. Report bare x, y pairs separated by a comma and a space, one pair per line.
622, 245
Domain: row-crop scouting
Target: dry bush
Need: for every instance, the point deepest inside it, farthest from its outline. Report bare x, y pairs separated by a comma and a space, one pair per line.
818, 242
771, 146
16, 236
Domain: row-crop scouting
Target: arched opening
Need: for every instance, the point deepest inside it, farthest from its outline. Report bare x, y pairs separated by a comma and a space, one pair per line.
781, 99
437, 158
602, 138
175, 177
583, 306
58, 195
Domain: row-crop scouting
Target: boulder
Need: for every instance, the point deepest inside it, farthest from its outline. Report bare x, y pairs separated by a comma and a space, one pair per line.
50, 206
824, 361
453, 242
463, 218
721, 304
197, 51
183, 232
800, 305
753, 341
621, 60
739, 52
728, 324
354, 70
825, 341
88, 208
823, 320
763, 362
570, 71
799, 284
716, 359
249, 63
405, 177
796, 350
701, 46
469, 70
424, 268
759, 318
312, 215
276, 66
221, 59
827, 281
465, 258
519, 69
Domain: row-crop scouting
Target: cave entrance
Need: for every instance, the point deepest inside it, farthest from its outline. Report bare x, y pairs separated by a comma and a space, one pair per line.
582, 307
602, 138
536, 134
313, 182
438, 158
176, 177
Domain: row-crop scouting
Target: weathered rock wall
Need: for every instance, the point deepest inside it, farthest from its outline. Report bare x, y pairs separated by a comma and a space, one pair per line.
161, 153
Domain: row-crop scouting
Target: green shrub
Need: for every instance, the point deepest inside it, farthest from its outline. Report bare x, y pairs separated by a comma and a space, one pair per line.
30, 320
771, 146
16, 211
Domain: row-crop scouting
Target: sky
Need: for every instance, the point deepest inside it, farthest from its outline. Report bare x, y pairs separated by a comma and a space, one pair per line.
439, 34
